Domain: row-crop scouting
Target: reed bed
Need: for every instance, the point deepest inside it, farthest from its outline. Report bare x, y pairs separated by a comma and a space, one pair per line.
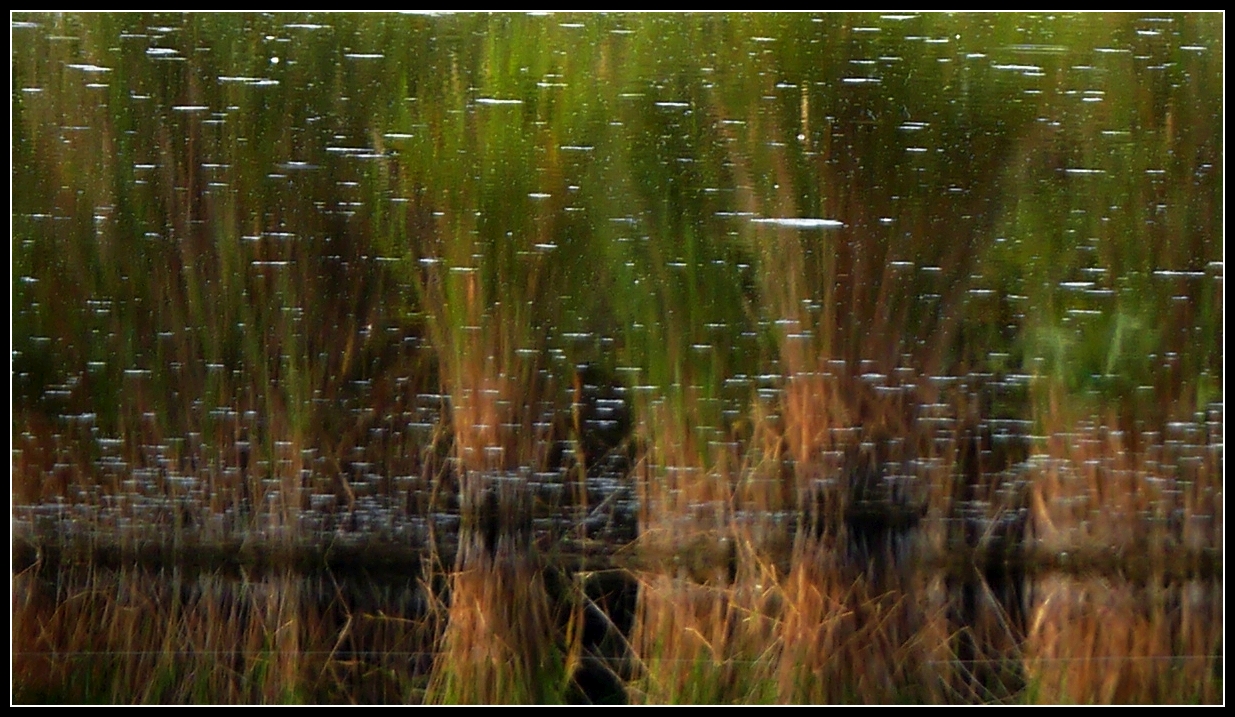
1094, 640
1133, 493
505, 641
135, 636
816, 634
894, 411
506, 630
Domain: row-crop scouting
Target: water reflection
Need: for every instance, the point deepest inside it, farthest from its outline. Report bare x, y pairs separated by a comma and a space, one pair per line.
686, 294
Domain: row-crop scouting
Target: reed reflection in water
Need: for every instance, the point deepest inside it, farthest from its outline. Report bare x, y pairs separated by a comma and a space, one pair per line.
770, 358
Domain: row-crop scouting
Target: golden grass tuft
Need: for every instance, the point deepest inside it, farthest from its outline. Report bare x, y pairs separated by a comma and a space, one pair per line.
1132, 493
502, 643
818, 634
1093, 640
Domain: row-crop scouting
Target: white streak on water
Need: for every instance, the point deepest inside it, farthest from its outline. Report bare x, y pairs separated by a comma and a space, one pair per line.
800, 222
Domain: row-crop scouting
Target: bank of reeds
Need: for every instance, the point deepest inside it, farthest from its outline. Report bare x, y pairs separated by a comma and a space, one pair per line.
505, 630
816, 634
1093, 485
506, 640
137, 636
837, 369
1095, 640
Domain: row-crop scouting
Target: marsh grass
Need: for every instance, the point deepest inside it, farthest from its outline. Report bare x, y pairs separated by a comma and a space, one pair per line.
1142, 493
136, 636
505, 639
110, 639
819, 633
1092, 640
218, 341
505, 630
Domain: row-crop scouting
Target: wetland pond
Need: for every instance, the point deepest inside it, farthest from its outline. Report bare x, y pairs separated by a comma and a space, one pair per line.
650, 358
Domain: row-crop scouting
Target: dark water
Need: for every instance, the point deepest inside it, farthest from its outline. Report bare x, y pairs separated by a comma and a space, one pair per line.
922, 287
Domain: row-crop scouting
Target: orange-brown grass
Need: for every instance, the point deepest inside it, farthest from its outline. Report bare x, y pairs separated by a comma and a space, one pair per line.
258, 487
812, 411
489, 352
858, 639
817, 634
821, 448
1134, 493
1094, 640
502, 642
762, 469
141, 637
47, 465
133, 638
683, 647
683, 491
